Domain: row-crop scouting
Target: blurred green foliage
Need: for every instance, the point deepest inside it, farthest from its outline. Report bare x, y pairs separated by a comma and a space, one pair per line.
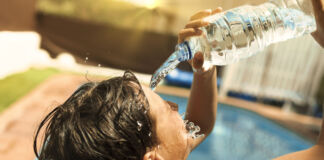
115, 12
16, 86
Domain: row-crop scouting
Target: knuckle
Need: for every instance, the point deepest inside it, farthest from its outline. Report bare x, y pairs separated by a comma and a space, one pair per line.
191, 30
202, 22
182, 32
180, 35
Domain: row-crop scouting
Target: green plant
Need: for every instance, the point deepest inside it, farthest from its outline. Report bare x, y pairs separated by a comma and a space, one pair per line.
15, 86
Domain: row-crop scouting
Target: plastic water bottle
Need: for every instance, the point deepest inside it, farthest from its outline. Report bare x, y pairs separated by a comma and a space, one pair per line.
242, 32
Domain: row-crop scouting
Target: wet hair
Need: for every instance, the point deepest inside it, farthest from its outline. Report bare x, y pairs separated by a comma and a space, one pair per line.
107, 120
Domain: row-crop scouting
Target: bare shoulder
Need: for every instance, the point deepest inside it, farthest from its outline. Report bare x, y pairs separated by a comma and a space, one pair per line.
314, 153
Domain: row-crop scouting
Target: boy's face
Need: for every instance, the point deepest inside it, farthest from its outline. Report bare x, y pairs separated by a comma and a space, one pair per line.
174, 142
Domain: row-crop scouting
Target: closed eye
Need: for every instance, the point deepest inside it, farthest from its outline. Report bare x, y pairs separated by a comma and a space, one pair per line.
173, 106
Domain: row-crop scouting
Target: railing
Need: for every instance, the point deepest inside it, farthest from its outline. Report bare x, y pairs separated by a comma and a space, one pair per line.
288, 71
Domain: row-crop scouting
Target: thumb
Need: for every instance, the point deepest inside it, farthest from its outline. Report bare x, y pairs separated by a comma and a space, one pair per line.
318, 38
198, 61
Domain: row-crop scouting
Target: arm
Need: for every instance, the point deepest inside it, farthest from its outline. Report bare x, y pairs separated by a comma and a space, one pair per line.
318, 6
317, 151
202, 105
313, 153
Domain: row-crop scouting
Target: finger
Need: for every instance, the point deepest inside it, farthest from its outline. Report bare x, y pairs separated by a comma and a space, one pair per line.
190, 62
217, 10
196, 23
318, 6
198, 61
318, 38
201, 14
188, 32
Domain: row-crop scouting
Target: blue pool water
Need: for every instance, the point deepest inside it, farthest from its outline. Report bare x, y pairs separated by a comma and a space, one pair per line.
243, 135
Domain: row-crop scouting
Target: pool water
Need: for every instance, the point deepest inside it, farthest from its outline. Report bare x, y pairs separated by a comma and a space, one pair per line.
240, 134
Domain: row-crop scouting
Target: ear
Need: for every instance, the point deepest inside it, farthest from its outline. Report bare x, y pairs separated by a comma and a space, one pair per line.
152, 155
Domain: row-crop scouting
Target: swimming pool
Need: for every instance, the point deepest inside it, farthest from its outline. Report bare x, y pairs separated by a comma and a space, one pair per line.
240, 134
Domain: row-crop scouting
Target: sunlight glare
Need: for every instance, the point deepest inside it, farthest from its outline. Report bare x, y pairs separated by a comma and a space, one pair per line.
147, 3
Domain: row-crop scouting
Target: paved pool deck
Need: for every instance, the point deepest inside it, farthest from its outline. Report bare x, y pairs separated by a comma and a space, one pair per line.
19, 122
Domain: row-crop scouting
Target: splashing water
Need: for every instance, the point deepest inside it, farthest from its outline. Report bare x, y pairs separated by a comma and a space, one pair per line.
170, 64
139, 126
183, 115
182, 53
192, 129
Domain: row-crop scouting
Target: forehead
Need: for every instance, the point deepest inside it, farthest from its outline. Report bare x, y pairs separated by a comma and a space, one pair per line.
152, 97
157, 104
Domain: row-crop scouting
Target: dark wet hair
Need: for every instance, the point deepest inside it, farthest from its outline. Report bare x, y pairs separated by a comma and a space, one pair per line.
107, 120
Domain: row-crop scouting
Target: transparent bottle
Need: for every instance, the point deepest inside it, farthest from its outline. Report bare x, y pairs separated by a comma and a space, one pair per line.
242, 32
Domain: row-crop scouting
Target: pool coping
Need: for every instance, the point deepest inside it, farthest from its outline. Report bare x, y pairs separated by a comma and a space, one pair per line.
303, 124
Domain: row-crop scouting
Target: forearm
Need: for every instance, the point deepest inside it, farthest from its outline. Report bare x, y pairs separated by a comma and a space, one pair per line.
320, 140
202, 105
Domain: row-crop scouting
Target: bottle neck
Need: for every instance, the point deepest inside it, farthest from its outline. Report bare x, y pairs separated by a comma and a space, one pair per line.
184, 51
303, 5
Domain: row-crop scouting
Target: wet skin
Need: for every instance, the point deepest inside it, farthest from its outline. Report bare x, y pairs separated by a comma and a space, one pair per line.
174, 142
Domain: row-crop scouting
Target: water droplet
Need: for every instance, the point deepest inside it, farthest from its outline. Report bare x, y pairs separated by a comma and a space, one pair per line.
200, 135
190, 125
150, 134
140, 107
197, 128
183, 115
139, 126
192, 129
86, 60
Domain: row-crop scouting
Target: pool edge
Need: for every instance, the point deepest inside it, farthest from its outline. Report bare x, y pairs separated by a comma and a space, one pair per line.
303, 125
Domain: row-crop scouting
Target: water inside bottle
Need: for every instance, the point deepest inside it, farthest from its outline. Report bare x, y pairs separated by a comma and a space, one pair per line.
240, 33
243, 31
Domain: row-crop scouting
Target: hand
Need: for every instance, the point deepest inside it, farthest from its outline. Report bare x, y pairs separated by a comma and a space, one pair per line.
318, 6
192, 29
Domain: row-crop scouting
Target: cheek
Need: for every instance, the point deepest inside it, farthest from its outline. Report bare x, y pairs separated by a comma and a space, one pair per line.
182, 144
180, 125
174, 136
180, 132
